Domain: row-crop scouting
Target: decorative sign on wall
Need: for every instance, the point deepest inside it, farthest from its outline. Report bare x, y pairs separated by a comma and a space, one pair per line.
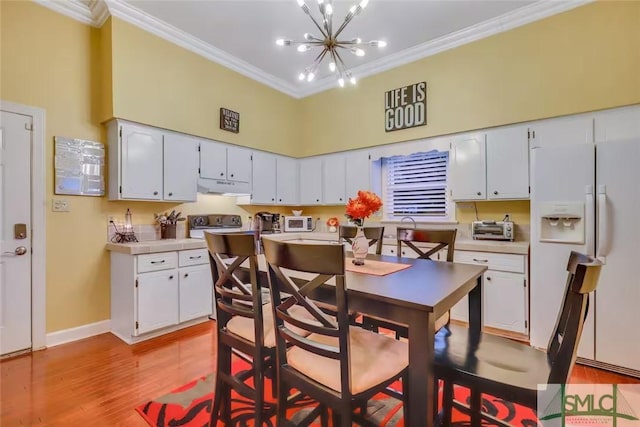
405, 107
229, 120
79, 167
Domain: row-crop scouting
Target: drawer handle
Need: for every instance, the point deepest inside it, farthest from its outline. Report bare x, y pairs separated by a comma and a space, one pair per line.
158, 262
195, 257
480, 260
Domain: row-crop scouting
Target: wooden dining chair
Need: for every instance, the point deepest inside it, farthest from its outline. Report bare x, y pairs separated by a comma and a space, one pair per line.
512, 370
440, 239
243, 327
339, 365
374, 234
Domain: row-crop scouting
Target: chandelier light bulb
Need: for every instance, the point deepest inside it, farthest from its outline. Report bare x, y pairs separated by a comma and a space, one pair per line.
308, 37
320, 1
301, 76
280, 42
303, 48
328, 9
310, 76
364, 3
352, 9
357, 40
357, 51
332, 66
300, 3
378, 43
341, 82
353, 80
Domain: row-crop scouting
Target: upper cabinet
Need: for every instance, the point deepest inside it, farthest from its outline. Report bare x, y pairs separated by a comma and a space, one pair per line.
334, 178
275, 179
358, 173
146, 163
225, 162
311, 181
562, 131
490, 166
468, 178
508, 163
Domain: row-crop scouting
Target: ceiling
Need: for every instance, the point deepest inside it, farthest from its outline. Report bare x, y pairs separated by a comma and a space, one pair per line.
241, 34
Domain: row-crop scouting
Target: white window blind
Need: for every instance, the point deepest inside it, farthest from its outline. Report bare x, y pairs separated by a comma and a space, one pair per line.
416, 185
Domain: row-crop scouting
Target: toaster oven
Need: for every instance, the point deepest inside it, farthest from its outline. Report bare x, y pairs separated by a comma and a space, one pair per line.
492, 230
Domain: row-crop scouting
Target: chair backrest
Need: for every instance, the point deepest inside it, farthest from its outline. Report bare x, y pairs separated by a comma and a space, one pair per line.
234, 297
323, 262
563, 346
441, 238
374, 234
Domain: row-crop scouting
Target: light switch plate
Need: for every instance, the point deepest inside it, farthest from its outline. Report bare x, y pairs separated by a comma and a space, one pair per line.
61, 205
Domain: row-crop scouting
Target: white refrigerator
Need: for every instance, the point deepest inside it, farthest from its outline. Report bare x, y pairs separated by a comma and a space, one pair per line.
585, 196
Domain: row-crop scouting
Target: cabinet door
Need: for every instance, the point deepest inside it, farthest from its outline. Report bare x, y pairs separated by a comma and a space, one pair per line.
468, 167
196, 287
392, 250
311, 181
358, 173
264, 178
287, 181
238, 164
333, 179
180, 167
505, 301
508, 163
213, 160
157, 300
141, 162
562, 131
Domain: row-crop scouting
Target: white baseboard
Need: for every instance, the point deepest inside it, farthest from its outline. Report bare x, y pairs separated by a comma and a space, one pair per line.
78, 333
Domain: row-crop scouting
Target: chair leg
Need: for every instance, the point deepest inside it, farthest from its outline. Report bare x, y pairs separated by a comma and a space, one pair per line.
447, 402
281, 411
476, 407
258, 384
222, 393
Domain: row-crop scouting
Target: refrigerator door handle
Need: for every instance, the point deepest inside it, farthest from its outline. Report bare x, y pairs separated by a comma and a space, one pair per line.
590, 221
603, 224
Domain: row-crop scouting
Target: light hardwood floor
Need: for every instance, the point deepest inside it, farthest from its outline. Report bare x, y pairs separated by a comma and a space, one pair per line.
98, 381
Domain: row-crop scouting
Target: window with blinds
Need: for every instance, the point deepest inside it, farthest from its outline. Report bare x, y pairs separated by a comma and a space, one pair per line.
416, 185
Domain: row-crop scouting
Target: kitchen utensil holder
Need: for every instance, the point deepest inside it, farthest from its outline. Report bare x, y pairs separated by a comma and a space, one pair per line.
168, 231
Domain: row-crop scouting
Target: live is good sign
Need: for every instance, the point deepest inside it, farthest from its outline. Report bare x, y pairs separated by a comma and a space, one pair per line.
405, 107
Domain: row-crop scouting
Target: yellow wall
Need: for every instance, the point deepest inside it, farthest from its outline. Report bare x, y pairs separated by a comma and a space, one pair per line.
158, 83
581, 60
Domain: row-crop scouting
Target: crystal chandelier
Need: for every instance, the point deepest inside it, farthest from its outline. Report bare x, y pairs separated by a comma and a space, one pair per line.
329, 43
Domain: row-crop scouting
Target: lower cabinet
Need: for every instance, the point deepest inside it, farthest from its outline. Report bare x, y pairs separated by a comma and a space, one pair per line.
152, 294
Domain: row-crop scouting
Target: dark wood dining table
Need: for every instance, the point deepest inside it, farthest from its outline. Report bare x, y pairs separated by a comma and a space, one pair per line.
416, 296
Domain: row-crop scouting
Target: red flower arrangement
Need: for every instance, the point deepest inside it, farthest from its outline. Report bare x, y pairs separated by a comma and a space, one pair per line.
363, 206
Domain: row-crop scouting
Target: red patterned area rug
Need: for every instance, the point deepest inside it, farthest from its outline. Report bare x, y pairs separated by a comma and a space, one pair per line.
190, 405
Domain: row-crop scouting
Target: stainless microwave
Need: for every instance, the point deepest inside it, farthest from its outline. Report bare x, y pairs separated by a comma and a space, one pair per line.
298, 223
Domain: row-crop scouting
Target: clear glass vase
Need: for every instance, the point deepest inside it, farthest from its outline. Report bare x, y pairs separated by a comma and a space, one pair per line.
360, 247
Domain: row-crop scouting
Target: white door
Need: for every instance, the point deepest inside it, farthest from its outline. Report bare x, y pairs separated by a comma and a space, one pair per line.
468, 167
238, 164
505, 301
618, 241
141, 162
263, 187
287, 181
15, 206
157, 300
508, 163
357, 173
311, 181
333, 176
180, 167
213, 160
195, 292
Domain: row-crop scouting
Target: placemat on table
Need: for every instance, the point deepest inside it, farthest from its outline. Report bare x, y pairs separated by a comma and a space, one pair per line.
376, 268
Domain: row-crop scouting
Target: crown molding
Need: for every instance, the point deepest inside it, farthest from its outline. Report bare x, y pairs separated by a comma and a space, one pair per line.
522, 16
99, 10
71, 8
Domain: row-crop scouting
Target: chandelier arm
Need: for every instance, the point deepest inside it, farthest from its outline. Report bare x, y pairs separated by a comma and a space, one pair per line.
340, 61
317, 25
346, 21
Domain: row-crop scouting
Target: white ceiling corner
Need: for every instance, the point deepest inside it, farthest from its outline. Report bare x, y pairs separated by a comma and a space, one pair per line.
96, 12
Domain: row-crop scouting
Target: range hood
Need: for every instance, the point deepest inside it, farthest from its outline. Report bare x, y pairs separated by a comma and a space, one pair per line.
223, 186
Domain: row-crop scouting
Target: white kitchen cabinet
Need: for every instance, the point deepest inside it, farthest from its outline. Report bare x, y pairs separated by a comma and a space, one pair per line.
147, 163
311, 181
358, 173
505, 291
180, 165
225, 162
263, 190
561, 131
508, 163
287, 181
468, 178
157, 293
334, 179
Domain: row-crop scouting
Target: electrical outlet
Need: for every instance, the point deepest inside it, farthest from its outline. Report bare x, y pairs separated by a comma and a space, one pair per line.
61, 205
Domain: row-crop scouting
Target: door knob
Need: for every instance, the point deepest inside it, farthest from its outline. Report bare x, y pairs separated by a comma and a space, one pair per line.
20, 250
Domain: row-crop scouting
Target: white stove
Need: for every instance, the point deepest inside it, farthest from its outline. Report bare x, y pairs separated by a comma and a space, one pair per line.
213, 223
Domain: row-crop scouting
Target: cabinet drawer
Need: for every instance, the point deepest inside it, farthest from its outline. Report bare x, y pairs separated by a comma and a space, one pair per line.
503, 262
159, 261
193, 257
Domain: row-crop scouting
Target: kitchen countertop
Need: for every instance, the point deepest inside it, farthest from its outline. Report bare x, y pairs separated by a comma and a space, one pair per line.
153, 246
167, 245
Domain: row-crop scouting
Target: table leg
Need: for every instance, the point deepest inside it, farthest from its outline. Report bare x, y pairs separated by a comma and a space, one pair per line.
475, 309
421, 385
